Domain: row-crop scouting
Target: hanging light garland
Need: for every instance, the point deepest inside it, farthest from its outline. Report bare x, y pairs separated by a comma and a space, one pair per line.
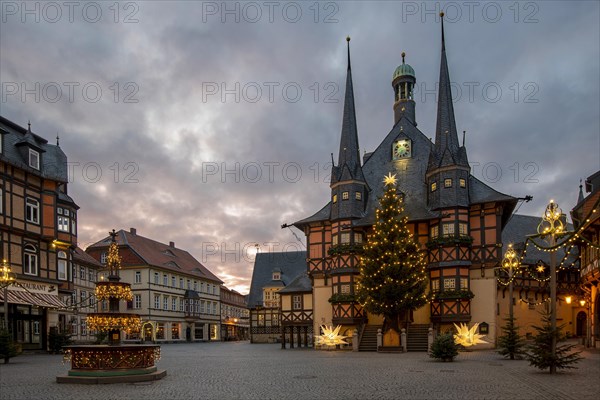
119, 290
105, 322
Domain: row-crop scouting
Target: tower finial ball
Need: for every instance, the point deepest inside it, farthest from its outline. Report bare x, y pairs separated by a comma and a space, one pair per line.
347, 38
442, 14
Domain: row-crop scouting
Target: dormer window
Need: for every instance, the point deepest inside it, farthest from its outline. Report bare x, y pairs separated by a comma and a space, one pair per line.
345, 195
34, 159
276, 275
448, 182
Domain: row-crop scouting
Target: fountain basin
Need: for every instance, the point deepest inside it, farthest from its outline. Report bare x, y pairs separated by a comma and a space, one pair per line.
111, 363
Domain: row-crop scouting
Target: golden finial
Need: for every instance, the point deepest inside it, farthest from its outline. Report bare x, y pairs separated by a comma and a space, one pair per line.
442, 14
403, 55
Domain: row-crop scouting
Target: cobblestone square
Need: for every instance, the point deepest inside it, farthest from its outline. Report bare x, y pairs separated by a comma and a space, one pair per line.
244, 371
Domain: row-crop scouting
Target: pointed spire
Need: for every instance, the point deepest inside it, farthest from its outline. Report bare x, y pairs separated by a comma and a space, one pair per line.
349, 152
580, 197
57, 140
348, 43
29, 126
446, 136
443, 40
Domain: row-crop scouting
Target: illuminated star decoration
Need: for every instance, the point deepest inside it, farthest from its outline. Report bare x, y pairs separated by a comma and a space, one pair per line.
467, 337
389, 179
330, 336
540, 268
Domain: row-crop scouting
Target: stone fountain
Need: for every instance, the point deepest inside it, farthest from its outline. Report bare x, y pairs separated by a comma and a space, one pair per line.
113, 362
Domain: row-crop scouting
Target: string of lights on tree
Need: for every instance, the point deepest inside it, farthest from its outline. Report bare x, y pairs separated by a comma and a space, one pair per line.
551, 224
393, 272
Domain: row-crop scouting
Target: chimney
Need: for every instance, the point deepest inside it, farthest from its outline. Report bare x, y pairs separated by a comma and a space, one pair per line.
132, 231
172, 244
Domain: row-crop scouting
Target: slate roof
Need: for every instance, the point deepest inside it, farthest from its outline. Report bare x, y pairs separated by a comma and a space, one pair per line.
349, 156
447, 151
53, 159
411, 172
79, 255
516, 231
302, 283
291, 263
159, 254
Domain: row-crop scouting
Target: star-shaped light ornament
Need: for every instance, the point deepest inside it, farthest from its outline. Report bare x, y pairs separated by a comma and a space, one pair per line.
467, 337
389, 179
540, 268
330, 336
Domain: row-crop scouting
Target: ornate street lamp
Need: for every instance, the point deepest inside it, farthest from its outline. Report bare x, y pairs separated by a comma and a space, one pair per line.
6, 279
511, 263
551, 226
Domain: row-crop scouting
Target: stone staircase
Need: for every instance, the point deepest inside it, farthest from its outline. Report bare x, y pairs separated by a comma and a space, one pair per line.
416, 337
368, 341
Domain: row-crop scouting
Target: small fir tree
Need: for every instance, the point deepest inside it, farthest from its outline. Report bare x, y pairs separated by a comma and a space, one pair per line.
510, 343
444, 347
8, 348
539, 354
393, 277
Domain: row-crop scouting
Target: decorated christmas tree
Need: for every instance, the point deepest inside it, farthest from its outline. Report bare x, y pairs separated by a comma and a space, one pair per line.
539, 353
510, 344
393, 278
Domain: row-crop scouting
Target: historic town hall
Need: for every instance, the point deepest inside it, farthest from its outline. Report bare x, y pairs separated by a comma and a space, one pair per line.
457, 219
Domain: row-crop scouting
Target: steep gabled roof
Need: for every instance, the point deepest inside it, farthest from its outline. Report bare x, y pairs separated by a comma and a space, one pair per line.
291, 264
322, 215
155, 254
301, 284
516, 231
54, 160
79, 255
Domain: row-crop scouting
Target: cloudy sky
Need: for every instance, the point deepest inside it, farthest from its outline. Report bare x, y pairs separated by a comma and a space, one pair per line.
210, 124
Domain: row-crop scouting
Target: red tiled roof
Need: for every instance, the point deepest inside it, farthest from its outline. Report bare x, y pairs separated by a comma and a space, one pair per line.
160, 255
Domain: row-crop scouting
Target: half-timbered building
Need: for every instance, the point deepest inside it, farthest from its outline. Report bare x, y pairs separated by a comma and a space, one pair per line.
296, 313
272, 272
81, 297
586, 219
38, 230
457, 219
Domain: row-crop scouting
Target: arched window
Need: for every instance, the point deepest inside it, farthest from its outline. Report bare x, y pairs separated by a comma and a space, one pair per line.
61, 266
30, 260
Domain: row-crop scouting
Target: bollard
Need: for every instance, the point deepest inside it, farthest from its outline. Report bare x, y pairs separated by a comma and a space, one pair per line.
429, 339
379, 339
355, 340
403, 340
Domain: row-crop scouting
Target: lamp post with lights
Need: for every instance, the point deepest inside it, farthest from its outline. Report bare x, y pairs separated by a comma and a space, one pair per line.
550, 226
511, 263
6, 279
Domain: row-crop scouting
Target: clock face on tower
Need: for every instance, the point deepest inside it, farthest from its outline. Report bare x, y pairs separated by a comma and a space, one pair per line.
401, 149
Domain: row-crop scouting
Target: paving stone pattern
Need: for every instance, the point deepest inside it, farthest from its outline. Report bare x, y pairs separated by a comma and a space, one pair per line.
263, 371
